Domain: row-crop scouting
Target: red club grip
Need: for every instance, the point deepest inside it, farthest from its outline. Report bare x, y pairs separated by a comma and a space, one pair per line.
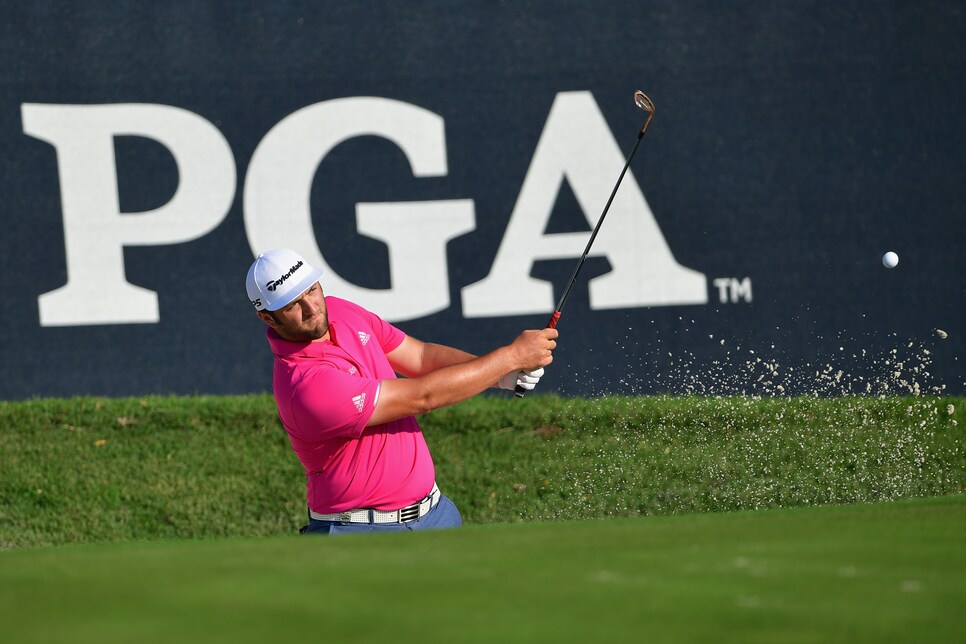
552, 324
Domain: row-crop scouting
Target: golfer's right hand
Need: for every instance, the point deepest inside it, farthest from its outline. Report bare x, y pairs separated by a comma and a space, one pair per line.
534, 349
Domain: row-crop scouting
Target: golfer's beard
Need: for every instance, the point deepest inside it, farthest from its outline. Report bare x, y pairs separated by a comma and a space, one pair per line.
315, 332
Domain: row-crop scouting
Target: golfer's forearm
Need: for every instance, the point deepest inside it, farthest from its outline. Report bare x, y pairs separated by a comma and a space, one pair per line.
456, 383
414, 358
438, 356
447, 386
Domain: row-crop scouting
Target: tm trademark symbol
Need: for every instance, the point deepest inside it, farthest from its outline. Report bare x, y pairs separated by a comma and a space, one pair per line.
732, 289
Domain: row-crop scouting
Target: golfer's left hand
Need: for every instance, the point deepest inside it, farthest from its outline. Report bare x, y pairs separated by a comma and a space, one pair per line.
524, 379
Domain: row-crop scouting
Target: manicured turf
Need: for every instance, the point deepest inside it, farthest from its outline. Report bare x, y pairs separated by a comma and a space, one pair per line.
93, 470
885, 572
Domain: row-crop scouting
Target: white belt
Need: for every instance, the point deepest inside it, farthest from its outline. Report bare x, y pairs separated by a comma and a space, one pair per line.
409, 513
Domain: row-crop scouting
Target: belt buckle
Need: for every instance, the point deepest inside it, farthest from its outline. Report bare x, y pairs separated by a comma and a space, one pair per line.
409, 513
345, 517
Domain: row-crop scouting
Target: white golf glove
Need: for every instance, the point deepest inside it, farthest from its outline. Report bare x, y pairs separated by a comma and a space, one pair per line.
525, 379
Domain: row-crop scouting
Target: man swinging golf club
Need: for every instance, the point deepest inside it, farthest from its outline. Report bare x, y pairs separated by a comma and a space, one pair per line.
350, 419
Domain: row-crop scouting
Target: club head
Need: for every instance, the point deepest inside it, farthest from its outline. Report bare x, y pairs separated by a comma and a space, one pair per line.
643, 103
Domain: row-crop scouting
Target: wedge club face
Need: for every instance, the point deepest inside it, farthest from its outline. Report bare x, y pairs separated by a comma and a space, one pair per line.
644, 104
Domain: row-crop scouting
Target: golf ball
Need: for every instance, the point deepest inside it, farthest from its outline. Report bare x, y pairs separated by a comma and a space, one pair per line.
890, 259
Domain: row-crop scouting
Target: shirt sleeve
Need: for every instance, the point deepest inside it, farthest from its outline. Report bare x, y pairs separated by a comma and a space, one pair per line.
389, 337
330, 403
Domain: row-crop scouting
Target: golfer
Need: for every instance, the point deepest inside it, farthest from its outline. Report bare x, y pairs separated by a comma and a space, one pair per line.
350, 419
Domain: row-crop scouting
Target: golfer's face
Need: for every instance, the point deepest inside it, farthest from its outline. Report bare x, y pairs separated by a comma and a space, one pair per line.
305, 318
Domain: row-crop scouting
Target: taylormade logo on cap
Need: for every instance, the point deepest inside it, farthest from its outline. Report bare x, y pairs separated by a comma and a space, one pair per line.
272, 285
277, 277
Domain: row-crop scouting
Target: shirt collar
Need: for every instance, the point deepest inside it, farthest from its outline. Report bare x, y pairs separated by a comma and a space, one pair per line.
286, 348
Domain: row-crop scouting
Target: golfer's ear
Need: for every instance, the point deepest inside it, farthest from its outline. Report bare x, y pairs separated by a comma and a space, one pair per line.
267, 318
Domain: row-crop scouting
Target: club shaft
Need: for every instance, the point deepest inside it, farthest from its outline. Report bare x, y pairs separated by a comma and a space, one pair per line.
519, 391
600, 221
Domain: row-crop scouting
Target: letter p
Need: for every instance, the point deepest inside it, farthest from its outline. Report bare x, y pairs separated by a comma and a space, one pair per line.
95, 230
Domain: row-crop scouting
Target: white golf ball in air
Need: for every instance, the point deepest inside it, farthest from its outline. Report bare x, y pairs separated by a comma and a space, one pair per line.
890, 259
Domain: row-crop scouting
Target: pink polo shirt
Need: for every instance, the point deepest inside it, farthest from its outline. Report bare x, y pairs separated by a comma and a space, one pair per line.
326, 393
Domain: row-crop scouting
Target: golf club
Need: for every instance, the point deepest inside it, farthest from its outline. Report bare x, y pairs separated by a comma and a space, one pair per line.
647, 105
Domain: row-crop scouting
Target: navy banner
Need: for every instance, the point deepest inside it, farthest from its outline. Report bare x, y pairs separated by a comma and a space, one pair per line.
445, 164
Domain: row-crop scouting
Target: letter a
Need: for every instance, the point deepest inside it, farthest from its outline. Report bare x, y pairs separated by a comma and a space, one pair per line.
577, 146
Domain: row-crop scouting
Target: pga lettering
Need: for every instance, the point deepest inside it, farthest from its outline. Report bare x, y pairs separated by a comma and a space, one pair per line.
575, 145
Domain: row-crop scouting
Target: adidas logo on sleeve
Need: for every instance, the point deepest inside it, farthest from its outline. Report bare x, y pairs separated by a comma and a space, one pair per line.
359, 401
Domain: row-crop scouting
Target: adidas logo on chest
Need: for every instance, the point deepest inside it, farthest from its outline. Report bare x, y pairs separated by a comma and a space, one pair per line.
363, 338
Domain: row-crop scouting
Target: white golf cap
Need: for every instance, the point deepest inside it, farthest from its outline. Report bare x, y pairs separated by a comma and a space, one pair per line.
277, 277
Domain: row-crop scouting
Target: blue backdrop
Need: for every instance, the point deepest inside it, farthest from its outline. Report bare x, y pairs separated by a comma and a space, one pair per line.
145, 146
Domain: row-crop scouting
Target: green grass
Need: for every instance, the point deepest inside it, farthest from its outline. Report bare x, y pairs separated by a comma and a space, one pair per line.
99, 470
887, 572
201, 498
85, 470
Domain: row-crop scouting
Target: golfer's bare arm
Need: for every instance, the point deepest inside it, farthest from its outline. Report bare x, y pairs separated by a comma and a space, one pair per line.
414, 358
439, 376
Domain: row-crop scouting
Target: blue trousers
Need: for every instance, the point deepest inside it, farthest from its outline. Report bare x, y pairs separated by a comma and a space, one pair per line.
444, 515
